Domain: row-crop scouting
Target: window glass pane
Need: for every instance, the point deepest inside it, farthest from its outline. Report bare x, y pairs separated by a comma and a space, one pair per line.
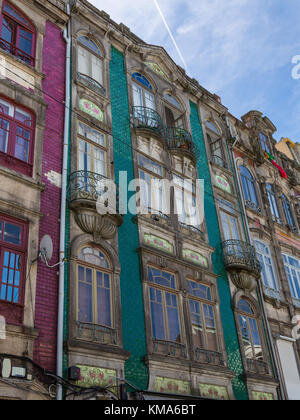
199, 290
15, 14
6, 108
96, 70
210, 325
4, 132
246, 337
161, 277
103, 299
87, 42
142, 79
25, 41
85, 295
94, 256
157, 315
84, 58
21, 149
10, 281
7, 32
245, 307
256, 339
197, 326
212, 126
12, 234
23, 116
172, 100
173, 318
91, 134
150, 165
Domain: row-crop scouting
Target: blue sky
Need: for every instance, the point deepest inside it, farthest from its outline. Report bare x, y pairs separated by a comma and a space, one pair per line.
240, 49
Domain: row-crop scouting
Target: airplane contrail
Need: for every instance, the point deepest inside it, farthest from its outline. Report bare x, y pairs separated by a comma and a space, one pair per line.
171, 35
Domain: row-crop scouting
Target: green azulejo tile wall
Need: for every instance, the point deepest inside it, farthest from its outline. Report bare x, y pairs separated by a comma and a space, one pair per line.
133, 324
228, 322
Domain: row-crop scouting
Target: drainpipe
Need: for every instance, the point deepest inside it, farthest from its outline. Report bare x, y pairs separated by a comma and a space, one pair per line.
61, 295
260, 290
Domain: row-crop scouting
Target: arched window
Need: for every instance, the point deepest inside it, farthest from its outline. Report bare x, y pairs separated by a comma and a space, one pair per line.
16, 136
273, 203
288, 212
265, 258
90, 62
173, 112
94, 288
215, 144
17, 34
249, 188
142, 92
249, 332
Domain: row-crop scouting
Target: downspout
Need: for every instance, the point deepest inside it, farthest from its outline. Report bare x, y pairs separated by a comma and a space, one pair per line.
61, 295
260, 290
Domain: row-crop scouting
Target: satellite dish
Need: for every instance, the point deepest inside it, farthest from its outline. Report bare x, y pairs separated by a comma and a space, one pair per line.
46, 247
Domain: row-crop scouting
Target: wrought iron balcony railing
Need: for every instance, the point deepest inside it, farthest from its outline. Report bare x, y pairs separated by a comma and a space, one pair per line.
91, 83
258, 366
240, 255
13, 50
147, 118
86, 185
217, 160
169, 348
210, 357
179, 138
95, 333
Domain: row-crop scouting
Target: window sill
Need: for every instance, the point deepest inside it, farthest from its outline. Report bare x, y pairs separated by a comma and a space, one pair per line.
17, 164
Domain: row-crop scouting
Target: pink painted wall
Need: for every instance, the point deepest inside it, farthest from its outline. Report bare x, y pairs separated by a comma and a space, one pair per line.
54, 51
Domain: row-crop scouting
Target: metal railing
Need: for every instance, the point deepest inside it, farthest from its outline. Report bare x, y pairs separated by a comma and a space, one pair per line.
147, 118
238, 254
91, 83
258, 366
210, 357
169, 348
86, 185
96, 333
253, 206
13, 50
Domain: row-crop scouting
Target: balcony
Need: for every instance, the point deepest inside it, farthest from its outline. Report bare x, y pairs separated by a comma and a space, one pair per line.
85, 188
258, 367
91, 83
95, 333
21, 55
180, 139
241, 262
169, 348
147, 119
209, 357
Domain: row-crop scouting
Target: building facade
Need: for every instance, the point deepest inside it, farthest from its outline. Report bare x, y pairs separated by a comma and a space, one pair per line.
160, 301
150, 301
32, 91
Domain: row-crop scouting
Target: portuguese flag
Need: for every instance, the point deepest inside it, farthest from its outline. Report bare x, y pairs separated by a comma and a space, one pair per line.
272, 160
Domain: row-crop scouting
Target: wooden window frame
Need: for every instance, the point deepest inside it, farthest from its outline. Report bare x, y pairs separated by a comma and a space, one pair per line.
7, 158
14, 47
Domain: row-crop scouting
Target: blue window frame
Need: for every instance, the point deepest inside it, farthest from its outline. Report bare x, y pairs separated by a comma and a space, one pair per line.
268, 272
248, 186
288, 211
142, 80
273, 203
292, 268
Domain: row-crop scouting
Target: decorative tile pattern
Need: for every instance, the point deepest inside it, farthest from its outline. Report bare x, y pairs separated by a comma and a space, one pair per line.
159, 243
134, 339
95, 376
91, 109
262, 396
172, 386
155, 67
195, 258
222, 183
214, 392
